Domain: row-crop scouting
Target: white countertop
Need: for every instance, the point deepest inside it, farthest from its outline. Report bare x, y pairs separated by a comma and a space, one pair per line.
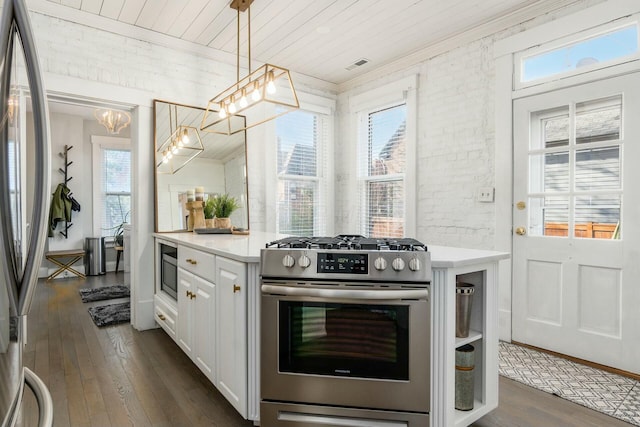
246, 248
450, 257
243, 248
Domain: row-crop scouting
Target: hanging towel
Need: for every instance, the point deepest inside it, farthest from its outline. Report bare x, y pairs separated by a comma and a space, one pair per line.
60, 208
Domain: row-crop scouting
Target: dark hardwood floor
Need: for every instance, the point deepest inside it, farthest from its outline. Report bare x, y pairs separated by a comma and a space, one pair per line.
117, 376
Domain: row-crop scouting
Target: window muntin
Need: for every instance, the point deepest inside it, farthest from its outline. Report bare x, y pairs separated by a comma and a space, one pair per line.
383, 172
575, 186
302, 137
601, 49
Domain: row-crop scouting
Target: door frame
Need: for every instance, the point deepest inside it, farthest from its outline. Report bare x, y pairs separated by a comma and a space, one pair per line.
505, 53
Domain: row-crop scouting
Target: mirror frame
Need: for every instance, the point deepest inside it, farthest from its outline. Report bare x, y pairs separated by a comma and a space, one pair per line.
155, 166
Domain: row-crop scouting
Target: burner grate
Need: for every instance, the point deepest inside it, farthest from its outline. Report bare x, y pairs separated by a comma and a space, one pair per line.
349, 242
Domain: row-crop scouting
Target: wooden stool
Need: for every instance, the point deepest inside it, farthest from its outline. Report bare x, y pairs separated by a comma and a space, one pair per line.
119, 250
71, 255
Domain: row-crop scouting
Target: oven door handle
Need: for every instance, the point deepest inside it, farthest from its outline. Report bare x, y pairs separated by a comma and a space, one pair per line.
357, 294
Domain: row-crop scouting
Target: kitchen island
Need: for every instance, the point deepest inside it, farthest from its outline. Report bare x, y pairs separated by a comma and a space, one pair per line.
216, 318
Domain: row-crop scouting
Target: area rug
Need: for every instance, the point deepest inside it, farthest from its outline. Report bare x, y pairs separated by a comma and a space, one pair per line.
110, 314
106, 292
602, 391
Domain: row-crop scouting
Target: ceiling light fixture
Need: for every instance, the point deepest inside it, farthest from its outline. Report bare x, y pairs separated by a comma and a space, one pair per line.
182, 146
267, 84
114, 121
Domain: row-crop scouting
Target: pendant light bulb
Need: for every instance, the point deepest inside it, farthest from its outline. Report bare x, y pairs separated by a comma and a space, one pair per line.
243, 99
175, 149
223, 111
271, 86
255, 95
232, 106
185, 138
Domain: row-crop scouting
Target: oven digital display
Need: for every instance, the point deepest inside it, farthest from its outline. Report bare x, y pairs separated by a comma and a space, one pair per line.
343, 263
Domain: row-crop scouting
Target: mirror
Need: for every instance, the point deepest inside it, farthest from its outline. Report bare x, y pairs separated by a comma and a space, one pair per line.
216, 162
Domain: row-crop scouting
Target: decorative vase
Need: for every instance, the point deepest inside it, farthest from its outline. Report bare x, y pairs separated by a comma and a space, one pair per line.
222, 222
211, 223
196, 215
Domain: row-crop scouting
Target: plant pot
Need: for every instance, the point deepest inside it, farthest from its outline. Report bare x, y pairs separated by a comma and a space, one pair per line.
211, 222
222, 222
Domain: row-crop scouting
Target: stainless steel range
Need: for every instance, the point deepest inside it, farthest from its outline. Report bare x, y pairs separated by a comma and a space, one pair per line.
346, 332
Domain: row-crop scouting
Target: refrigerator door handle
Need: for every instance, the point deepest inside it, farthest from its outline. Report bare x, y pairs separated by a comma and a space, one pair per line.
42, 165
40, 390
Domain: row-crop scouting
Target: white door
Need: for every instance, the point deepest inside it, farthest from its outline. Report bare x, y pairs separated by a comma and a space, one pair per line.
576, 240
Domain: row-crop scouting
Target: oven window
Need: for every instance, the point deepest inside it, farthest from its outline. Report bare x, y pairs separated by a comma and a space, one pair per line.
353, 340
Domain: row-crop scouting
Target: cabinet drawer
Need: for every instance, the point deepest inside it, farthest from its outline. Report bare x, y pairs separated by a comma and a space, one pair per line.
197, 262
165, 315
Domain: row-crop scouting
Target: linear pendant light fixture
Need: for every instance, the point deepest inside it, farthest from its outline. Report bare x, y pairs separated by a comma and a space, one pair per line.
182, 146
262, 95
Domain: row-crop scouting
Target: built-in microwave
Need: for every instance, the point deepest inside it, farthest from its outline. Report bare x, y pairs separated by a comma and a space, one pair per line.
169, 270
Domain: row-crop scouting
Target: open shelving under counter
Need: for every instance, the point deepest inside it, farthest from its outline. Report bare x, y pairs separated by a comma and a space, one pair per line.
480, 268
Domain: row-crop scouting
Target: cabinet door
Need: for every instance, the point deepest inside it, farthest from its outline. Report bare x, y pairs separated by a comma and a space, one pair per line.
203, 304
185, 312
231, 345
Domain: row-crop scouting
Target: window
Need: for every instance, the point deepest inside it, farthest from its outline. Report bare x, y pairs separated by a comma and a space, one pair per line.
592, 51
112, 184
575, 158
382, 154
302, 138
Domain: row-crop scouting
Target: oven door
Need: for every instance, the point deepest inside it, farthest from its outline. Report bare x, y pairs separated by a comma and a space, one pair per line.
361, 346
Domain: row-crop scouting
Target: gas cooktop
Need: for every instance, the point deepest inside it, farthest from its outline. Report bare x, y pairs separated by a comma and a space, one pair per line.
349, 242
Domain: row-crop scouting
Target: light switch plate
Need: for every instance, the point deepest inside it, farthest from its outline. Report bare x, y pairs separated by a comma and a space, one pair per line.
485, 194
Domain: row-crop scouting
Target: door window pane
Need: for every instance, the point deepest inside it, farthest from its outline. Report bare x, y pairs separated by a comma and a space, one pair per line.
555, 132
548, 216
598, 120
597, 217
549, 172
598, 169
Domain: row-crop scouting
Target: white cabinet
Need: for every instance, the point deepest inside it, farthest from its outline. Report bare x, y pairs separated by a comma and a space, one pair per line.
196, 328
231, 321
165, 315
483, 336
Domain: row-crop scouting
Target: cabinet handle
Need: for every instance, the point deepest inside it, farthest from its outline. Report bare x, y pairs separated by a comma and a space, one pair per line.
236, 288
161, 317
192, 261
188, 294
193, 295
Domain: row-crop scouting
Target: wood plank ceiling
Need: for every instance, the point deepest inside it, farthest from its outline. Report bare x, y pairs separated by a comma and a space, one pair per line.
319, 38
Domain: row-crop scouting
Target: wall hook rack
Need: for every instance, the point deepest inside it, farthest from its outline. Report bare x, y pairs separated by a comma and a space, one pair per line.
67, 178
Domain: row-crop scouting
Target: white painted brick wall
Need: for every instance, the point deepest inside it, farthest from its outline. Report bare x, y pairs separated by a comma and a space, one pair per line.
455, 146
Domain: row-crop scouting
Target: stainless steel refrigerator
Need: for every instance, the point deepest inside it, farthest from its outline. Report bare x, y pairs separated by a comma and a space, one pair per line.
24, 204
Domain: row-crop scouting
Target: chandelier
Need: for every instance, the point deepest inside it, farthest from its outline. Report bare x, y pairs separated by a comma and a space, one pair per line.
114, 121
263, 95
182, 146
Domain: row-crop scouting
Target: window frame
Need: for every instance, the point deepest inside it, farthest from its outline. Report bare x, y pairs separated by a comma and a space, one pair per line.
320, 178
575, 38
100, 143
403, 91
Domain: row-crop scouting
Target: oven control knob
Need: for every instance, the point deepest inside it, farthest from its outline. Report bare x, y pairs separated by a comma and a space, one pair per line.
304, 261
398, 264
380, 263
288, 261
414, 264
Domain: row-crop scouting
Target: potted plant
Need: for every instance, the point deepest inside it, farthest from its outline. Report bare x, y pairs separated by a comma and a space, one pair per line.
223, 206
209, 213
118, 232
